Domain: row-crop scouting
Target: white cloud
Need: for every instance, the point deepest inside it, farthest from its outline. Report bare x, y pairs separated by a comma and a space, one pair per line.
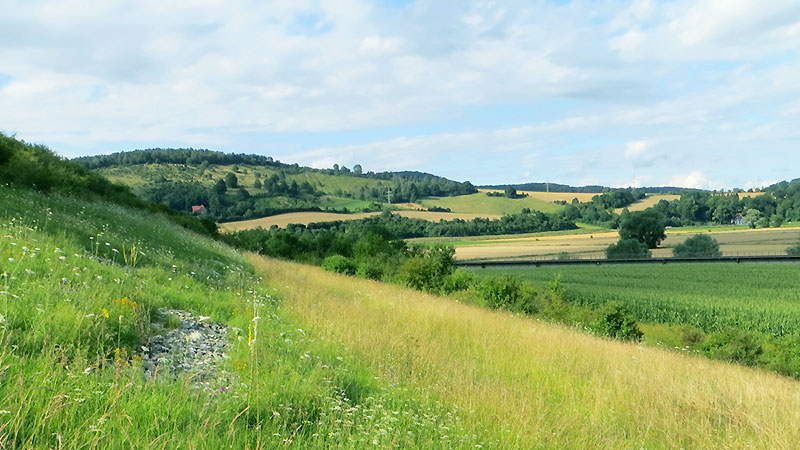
696, 179
480, 90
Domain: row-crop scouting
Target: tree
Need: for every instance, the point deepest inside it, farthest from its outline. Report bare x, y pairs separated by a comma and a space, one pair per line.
699, 245
627, 249
257, 184
220, 187
231, 181
357, 169
645, 226
510, 192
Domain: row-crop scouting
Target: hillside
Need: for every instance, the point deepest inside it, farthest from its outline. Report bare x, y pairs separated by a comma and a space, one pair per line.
91, 289
238, 186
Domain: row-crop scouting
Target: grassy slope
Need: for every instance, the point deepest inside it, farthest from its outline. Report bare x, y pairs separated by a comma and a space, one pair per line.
756, 296
69, 377
537, 385
140, 175
481, 203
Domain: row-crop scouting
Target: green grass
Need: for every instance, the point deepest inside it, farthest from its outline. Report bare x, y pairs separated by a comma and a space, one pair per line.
760, 297
481, 203
140, 176
70, 376
340, 203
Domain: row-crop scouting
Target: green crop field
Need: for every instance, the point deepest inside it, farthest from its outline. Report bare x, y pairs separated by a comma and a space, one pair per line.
481, 203
760, 297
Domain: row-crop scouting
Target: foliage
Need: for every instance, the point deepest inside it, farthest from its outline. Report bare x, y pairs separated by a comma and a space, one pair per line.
428, 268
699, 245
339, 264
793, 250
645, 226
628, 249
614, 320
742, 347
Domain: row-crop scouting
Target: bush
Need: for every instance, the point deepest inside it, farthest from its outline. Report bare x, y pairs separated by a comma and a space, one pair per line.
737, 346
459, 280
615, 321
697, 246
794, 250
339, 264
785, 356
628, 249
367, 270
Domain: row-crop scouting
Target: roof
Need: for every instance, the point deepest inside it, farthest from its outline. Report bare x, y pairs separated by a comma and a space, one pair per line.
196, 208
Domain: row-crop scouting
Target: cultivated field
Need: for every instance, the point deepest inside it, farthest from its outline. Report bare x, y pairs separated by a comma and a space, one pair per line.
593, 244
480, 203
759, 297
529, 384
281, 220
647, 202
582, 197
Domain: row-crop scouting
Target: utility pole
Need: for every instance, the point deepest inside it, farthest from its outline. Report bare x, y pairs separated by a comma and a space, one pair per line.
547, 196
389, 195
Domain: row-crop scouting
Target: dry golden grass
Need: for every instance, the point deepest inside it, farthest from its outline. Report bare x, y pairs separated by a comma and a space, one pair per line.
760, 241
537, 385
583, 197
647, 202
281, 220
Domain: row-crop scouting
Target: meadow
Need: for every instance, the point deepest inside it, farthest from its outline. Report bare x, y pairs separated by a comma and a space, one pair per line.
530, 384
480, 203
761, 297
80, 286
647, 202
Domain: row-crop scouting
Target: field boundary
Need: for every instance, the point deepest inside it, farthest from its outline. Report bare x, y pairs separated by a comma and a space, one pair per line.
601, 261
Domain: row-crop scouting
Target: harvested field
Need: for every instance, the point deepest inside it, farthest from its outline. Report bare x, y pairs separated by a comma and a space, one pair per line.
281, 220
733, 242
480, 203
649, 201
583, 197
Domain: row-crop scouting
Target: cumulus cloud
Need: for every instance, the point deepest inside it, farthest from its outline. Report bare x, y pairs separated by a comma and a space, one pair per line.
696, 179
477, 90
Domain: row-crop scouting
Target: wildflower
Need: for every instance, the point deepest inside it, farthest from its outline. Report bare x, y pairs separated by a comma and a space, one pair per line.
11, 260
41, 310
5, 411
62, 258
104, 312
87, 370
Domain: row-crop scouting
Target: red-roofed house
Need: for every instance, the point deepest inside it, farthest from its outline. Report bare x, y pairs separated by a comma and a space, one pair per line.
199, 209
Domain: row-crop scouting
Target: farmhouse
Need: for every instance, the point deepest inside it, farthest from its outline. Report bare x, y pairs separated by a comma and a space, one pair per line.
739, 219
199, 209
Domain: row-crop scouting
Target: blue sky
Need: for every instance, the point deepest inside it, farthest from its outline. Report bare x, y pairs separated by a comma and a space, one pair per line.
699, 93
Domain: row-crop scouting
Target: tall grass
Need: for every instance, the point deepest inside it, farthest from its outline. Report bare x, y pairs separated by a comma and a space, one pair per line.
536, 385
80, 282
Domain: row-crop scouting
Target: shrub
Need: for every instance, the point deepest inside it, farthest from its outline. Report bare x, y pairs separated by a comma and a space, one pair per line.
737, 346
794, 250
339, 264
785, 356
699, 245
627, 249
615, 321
368, 270
459, 280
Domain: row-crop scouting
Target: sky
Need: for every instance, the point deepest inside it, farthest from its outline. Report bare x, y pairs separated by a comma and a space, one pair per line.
694, 93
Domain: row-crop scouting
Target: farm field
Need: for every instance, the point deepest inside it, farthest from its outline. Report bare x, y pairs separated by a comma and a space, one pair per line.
582, 197
759, 297
281, 220
647, 202
585, 245
480, 203
537, 385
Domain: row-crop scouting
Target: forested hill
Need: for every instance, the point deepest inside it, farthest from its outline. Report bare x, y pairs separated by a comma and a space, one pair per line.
241, 186
556, 187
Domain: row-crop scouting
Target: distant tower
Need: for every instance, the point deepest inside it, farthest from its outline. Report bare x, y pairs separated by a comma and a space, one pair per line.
389, 195
547, 195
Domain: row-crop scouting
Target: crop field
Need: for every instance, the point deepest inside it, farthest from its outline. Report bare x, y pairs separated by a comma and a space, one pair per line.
480, 203
647, 202
537, 385
712, 296
593, 244
281, 220
583, 197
